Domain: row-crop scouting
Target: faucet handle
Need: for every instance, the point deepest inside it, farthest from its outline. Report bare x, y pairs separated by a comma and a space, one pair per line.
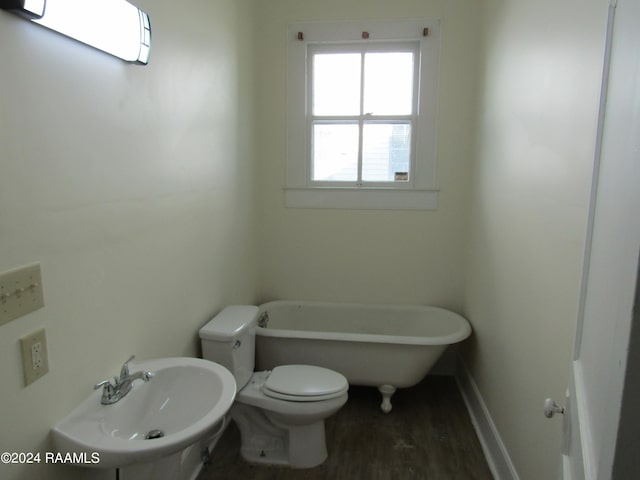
105, 383
124, 371
109, 392
108, 386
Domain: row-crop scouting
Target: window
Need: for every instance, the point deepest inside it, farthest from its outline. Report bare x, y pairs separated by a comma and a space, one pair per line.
362, 115
361, 104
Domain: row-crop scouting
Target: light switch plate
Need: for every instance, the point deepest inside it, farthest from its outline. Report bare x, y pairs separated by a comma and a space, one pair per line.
35, 359
20, 292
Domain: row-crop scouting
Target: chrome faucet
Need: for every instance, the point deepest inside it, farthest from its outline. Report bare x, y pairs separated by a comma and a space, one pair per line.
113, 392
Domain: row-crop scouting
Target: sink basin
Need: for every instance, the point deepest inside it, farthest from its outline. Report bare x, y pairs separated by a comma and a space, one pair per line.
183, 401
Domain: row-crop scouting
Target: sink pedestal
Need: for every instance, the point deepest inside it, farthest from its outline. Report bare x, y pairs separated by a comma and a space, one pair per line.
165, 468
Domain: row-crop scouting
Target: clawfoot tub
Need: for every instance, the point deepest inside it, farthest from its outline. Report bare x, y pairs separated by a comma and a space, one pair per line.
385, 346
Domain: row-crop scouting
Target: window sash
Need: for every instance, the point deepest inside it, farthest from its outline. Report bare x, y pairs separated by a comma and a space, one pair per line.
361, 123
362, 118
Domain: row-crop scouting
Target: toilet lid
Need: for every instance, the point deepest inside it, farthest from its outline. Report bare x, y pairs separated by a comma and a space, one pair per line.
305, 382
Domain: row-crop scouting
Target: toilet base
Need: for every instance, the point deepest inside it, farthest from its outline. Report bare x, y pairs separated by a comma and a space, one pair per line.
266, 441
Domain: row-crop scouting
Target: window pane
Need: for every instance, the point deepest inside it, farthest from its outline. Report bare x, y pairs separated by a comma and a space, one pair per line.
336, 84
388, 82
385, 152
335, 152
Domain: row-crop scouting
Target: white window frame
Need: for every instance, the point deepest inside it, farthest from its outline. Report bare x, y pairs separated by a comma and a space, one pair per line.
420, 191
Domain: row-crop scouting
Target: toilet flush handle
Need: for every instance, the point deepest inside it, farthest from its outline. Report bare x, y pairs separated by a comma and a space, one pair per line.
237, 344
551, 408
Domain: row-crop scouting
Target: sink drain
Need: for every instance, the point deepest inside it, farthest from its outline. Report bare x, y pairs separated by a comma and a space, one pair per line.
153, 434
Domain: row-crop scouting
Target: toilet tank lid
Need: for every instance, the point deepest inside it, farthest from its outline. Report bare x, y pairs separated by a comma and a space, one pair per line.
230, 322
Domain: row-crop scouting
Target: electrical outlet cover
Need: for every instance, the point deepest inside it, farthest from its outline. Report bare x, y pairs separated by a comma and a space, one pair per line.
34, 356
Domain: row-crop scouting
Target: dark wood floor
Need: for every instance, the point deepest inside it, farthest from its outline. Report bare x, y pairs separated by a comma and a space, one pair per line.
428, 435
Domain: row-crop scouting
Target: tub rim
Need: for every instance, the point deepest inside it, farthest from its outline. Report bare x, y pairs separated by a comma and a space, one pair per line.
461, 333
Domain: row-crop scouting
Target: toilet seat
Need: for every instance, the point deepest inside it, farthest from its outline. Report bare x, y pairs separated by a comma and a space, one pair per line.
304, 383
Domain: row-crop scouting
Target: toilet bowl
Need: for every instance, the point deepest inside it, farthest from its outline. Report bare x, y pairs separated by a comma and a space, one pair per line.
280, 412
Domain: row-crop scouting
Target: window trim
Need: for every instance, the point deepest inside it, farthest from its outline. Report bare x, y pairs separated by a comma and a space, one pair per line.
420, 192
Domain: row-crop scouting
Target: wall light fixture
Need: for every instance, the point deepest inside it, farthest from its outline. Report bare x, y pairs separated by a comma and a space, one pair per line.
113, 26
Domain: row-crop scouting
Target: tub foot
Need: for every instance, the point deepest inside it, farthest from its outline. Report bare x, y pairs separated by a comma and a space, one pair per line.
386, 391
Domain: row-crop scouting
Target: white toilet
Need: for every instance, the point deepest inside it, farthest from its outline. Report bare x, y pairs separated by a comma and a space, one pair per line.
281, 412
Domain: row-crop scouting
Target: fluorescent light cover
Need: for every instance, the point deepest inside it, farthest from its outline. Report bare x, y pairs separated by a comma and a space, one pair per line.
25, 8
34, 6
113, 26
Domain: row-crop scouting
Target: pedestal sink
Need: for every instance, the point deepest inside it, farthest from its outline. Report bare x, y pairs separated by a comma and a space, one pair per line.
182, 403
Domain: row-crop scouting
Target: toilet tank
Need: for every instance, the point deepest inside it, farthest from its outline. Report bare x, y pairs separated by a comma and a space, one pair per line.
229, 339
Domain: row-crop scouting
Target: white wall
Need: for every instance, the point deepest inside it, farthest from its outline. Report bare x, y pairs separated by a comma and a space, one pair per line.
542, 64
133, 187
366, 255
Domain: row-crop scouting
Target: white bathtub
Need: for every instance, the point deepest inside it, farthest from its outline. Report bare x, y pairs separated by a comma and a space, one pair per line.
386, 346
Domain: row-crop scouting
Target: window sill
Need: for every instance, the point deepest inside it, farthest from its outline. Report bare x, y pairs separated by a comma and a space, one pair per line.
361, 198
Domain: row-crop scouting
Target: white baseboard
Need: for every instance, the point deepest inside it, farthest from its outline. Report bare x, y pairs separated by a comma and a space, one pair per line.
494, 450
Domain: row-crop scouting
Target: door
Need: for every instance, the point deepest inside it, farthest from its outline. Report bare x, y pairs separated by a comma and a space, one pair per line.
596, 386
